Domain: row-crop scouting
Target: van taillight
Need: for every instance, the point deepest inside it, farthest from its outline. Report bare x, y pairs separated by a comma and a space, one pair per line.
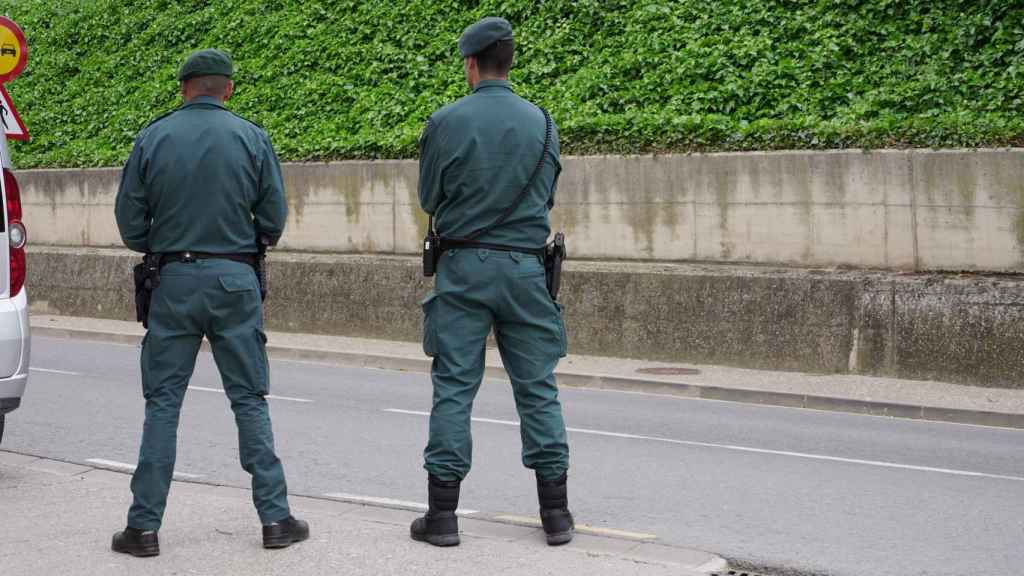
15, 233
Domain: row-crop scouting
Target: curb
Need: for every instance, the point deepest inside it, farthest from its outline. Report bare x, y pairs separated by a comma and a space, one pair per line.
619, 383
638, 547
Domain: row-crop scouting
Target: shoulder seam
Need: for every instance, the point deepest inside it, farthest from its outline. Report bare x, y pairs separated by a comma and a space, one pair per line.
256, 124
160, 117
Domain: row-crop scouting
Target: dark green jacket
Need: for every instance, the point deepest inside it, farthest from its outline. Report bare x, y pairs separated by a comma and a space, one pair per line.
200, 179
476, 155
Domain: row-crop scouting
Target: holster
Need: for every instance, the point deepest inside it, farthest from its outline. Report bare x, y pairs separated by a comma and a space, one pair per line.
431, 252
554, 255
261, 267
146, 277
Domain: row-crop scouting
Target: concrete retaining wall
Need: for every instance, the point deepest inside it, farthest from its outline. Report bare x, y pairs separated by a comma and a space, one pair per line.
955, 329
902, 210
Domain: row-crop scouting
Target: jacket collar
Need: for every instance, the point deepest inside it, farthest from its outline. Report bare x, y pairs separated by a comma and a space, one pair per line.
204, 100
484, 84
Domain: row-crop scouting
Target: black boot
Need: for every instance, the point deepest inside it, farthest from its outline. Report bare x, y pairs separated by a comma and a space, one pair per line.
554, 510
439, 526
136, 542
285, 533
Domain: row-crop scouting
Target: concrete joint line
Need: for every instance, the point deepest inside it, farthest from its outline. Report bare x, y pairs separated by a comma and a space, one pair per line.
891, 352
913, 213
580, 528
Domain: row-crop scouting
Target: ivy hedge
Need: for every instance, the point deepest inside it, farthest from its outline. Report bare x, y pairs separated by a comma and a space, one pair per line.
334, 79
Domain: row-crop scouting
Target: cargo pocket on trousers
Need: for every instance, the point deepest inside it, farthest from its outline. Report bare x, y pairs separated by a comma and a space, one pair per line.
564, 348
263, 367
429, 324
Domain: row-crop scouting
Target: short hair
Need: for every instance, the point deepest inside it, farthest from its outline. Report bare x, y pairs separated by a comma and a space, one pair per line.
496, 59
209, 85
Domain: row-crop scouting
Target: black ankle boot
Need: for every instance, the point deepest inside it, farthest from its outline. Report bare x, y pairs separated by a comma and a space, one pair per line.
136, 542
439, 526
554, 510
285, 533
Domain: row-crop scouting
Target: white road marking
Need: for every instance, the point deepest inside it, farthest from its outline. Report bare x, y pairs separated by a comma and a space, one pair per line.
581, 528
53, 371
840, 413
358, 499
268, 396
736, 448
289, 399
114, 465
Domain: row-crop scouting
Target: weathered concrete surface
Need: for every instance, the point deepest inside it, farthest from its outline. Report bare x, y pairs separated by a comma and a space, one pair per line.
209, 530
954, 329
892, 209
981, 324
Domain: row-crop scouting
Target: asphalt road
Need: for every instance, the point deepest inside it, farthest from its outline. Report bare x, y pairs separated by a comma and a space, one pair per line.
819, 492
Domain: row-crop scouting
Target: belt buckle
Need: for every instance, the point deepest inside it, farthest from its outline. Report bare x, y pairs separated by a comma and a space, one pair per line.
188, 258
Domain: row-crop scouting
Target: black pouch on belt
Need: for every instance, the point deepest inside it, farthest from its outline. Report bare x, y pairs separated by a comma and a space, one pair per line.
260, 266
146, 276
554, 255
431, 250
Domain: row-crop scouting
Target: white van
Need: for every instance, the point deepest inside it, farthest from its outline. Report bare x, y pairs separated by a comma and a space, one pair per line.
14, 327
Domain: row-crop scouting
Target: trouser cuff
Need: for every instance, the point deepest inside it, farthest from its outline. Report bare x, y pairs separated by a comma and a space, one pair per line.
551, 475
276, 516
144, 526
443, 474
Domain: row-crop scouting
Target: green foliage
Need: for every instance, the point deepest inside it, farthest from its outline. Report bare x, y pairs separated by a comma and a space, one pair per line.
332, 79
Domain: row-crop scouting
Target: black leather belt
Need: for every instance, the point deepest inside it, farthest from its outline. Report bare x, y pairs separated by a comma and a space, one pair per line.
450, 244
189, 256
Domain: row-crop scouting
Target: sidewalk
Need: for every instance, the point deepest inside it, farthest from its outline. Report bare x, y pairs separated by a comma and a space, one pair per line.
845, 393
58, 518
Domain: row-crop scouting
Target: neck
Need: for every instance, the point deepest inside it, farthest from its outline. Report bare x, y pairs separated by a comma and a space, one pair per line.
489, 77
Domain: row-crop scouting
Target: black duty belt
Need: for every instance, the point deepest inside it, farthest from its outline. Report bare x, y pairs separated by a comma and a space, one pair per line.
449, 244
245, 257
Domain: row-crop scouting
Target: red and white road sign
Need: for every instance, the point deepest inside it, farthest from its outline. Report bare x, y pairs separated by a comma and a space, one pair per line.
12, 124
13, 58
13, 50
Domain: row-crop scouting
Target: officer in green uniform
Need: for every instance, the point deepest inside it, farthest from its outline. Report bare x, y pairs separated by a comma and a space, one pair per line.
200, 187
476, 157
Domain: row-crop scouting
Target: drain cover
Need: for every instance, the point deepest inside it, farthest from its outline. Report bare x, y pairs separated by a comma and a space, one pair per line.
669, 371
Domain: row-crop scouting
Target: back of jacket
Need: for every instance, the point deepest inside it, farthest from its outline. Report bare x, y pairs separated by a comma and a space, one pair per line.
200, 179
476, 155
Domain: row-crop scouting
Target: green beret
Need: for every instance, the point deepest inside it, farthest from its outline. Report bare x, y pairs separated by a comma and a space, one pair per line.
482, 34
209, 62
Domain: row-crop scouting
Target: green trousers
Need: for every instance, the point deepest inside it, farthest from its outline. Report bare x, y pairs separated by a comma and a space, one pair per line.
476, 290
218, 299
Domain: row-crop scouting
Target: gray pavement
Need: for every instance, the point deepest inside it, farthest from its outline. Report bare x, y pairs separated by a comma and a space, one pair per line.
58, 519
916, 399
818, 492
